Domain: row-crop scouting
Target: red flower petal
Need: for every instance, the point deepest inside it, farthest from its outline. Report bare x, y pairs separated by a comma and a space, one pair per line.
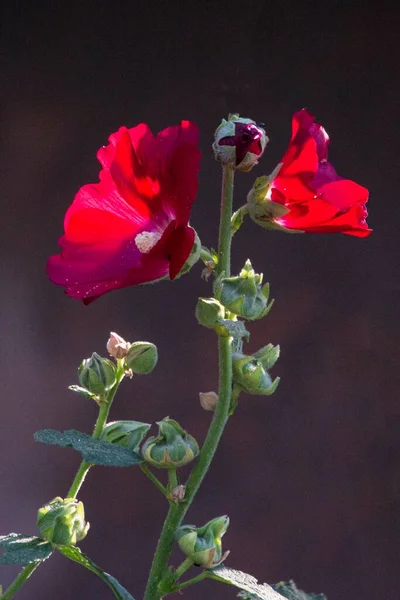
319, 200
132, 227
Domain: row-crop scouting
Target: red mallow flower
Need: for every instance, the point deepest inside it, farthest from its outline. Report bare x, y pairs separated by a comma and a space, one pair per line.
316, 198
132, 226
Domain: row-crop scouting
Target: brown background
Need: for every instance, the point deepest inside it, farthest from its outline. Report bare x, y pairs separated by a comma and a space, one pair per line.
309, 477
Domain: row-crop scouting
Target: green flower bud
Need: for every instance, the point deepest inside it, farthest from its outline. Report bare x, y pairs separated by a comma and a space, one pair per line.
209, 312
97, 374
173, 447
203, 544
243, 295
62, 522
128, 434
142, 357
250, 375
268, 355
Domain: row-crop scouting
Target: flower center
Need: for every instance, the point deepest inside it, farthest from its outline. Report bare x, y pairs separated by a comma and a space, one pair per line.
146, 240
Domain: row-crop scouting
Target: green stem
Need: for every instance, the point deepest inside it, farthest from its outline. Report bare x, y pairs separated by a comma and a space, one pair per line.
177, 511
20, 580
183, 567
153, 478
100, 424
172, 480
186, 584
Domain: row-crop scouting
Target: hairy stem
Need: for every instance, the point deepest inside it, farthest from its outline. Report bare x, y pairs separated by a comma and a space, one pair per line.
20, 580
177, 512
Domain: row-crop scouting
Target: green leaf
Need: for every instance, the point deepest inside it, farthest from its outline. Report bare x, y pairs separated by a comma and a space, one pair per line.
235, 329
288, 589
20, 549
75, 554
248, 583
93, 451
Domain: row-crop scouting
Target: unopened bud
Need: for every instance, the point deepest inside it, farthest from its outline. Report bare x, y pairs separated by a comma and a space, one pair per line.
209, 312
203, 544
117, 347
239, 142
178, 493
62, 522
142, 357
173, 447
243, 295
208, 400
97, 374
250, 375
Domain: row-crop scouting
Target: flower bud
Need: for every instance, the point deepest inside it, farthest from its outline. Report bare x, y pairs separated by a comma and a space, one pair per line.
178, 493
117, 347
62, 522
142, 357
173, 447
97, 374
239, 142
208, 400
250, 375
209, 312
127, 434
243, 295
203, 544
268, 355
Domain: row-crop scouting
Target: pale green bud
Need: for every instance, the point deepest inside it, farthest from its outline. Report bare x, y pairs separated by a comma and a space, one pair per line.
97, 374
62, 522
250, 375
203, 544
142, 357
209, 312
173, 447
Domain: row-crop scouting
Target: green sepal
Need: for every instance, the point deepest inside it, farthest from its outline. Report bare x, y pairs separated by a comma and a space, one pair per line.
142, 357
93, 451
97, 374
128, 434
289, 590
75, 554
245, 582
173, 447
268, 355
82, 391
250, 375
62, 521
20, 549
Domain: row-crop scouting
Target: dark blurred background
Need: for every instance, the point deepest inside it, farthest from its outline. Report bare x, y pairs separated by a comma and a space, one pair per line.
310, 477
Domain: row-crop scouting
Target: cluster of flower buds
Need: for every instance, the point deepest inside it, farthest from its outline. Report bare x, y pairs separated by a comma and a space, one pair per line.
243, 295
239, 142
127, 434
62, 522
250, 373
173, 447
203, 544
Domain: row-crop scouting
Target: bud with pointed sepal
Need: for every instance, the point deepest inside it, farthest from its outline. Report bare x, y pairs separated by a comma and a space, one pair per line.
243, 295
209, 312
142, 357
239, 142
203, 544
172, 448
62, 521
128, 434
97, 374
208, 400
268, 355
250, 375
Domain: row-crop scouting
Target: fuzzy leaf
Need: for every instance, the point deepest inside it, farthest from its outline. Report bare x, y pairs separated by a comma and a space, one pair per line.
95, 452
20, 549
288, 589
248, 583
75, 554
235, 329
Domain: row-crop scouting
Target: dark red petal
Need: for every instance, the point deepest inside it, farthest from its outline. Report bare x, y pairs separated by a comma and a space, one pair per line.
182, 244
343, 193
